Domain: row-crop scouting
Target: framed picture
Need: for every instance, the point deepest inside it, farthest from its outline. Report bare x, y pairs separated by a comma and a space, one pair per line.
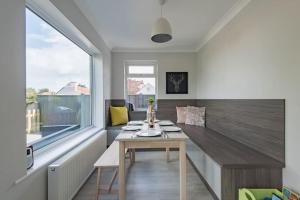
177, 82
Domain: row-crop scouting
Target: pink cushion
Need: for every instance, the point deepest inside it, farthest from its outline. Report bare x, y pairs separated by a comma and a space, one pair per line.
181, 114
195, 116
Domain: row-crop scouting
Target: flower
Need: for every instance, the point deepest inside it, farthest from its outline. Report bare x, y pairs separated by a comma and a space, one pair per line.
151, 100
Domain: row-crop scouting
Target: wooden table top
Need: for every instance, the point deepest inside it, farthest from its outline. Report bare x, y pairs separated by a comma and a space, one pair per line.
166, 136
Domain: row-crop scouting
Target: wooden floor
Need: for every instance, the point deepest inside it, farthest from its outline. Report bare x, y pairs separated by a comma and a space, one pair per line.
151, 178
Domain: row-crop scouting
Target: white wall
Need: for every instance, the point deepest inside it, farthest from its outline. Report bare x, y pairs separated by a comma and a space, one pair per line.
167, 62
12, 107
12, 90
257, 55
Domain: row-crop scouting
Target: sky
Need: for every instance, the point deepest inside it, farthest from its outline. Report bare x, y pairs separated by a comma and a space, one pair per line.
135, 69
52, 60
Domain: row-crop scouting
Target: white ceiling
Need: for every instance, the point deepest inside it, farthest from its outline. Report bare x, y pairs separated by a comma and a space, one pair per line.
126, 24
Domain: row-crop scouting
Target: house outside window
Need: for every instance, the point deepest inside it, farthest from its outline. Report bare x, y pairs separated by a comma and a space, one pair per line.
140, 83
58, 84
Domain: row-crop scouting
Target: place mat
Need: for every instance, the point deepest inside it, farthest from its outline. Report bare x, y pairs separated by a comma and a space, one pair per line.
171, 129
131, 128
166, 123
135, 123
149, 133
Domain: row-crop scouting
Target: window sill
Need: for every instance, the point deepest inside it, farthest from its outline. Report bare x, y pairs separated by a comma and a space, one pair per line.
52, 152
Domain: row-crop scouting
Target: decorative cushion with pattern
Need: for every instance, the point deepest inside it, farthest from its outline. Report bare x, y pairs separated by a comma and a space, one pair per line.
195, 116
181, 114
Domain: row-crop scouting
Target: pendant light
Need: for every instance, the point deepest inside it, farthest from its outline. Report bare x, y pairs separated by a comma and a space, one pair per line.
161, 31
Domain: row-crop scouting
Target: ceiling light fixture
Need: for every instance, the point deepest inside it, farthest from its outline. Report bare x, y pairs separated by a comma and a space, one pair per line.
161, 31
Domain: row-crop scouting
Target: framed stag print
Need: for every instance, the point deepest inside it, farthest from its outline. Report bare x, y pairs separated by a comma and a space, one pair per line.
177, 82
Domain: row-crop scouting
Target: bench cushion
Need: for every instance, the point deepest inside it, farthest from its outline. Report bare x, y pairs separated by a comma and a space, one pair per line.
119, 127
112, 133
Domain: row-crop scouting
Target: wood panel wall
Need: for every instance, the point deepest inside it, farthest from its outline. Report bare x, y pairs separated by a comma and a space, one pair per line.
258, 124
166, 108
111, 102
233, 179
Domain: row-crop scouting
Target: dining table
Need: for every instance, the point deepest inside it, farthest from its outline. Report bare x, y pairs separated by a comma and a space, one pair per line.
138, 139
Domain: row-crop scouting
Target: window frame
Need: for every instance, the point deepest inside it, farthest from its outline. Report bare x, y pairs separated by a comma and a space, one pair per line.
91, 66
127, 75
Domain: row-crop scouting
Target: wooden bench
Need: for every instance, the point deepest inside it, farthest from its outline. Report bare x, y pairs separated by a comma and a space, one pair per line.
109, 159
226, 165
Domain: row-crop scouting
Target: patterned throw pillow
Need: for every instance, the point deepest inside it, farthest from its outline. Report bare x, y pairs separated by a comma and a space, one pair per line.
195, 116
181, 114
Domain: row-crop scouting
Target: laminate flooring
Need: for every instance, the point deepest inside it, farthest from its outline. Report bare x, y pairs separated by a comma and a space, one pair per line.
150, 178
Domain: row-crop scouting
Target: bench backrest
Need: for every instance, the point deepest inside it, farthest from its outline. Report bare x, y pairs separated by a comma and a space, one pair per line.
166, 108
257, 123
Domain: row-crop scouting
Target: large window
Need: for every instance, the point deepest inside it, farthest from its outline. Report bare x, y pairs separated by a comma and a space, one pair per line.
140, 78
58, 84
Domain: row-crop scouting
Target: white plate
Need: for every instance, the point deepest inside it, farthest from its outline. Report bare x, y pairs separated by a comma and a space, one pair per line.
166, 123
135, 123
131, 128
171, 129
149, 133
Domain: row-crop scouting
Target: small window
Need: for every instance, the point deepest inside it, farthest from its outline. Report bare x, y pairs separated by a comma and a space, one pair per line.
141, 70
58, 80
140, 84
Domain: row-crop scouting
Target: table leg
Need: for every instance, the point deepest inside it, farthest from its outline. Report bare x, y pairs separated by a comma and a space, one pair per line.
122, 189
182, 161
98, 184
133, 155
168, 154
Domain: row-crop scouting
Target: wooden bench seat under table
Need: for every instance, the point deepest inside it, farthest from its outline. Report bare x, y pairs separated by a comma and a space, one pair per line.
109, 159
227, 165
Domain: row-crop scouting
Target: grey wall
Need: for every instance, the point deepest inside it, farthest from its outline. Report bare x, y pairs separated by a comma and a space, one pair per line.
257, 56
167, 62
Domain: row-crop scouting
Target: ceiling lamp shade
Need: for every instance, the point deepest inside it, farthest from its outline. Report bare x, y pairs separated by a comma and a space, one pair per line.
161, 31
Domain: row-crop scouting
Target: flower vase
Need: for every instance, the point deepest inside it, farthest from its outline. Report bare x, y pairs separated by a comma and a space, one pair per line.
150, 116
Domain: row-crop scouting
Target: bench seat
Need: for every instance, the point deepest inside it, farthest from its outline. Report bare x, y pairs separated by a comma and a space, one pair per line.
113, 132
226, 152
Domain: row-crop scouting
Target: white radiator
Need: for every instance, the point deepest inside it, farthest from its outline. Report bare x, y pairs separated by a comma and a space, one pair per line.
67, 174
